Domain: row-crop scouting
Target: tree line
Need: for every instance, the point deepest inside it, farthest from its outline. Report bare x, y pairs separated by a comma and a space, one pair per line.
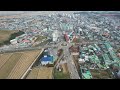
12, 36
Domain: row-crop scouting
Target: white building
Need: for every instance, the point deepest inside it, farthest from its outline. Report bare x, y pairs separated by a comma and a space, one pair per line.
13, 41
55, 35
81, 60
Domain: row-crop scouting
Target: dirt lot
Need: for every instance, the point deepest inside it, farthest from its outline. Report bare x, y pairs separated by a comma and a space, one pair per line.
75, 59
100, 74
65, 68
40, 38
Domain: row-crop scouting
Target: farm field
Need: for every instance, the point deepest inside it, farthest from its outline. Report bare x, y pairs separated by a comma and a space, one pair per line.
14, 65
22, 65
5, 34
33, 74
41, 73
7, 67
4, 58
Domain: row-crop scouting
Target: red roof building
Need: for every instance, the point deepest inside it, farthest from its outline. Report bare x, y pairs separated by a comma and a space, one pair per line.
66, 38
26, 41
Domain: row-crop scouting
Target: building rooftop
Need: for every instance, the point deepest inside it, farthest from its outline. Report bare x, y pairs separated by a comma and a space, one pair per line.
86, 73
47, 58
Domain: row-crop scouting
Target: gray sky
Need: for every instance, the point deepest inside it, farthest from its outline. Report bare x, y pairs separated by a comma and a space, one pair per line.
2, 13
6, 13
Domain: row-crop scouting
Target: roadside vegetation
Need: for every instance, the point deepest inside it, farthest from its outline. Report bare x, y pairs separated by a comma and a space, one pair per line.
60, 75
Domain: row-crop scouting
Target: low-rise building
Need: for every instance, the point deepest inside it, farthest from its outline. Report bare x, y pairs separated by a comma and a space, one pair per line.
13, 41
46, 59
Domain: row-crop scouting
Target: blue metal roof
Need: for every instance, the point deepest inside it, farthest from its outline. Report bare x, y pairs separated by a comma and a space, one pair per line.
48, 58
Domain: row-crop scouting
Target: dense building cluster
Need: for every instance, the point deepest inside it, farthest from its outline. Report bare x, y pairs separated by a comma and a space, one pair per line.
89, 24
92, 36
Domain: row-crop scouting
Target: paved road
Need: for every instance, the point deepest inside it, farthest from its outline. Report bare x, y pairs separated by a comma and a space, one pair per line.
71, 65
57, 63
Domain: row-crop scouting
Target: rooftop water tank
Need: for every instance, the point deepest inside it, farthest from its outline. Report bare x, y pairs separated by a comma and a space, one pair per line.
45, 55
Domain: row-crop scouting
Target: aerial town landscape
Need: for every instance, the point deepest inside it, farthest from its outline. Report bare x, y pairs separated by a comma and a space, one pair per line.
60, 45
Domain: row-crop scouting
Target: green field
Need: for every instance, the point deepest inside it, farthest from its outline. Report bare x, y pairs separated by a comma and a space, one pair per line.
60, 75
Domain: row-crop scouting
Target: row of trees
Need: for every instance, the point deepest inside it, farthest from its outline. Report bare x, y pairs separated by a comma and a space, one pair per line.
12, 36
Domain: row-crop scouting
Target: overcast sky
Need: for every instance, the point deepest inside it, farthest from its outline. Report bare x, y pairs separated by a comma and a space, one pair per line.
10, 12
4, 13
